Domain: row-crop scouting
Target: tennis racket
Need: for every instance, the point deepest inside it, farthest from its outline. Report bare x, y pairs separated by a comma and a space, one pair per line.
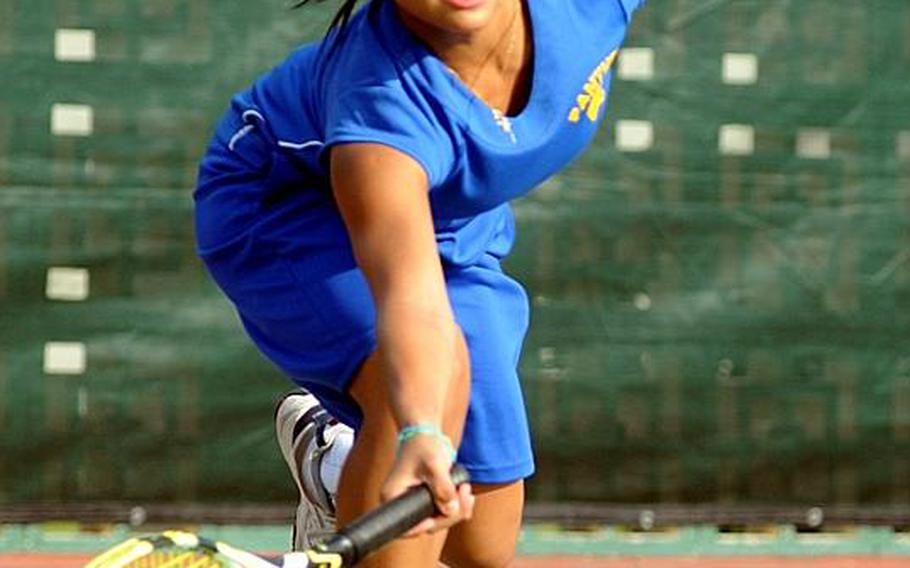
178, 549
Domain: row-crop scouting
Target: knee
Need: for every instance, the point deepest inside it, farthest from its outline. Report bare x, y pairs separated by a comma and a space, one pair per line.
493, 556
489, 539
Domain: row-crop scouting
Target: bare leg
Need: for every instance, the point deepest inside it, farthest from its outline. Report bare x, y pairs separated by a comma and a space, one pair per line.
488, 540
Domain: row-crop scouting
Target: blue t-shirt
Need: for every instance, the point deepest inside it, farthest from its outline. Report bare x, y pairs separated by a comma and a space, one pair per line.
381, 85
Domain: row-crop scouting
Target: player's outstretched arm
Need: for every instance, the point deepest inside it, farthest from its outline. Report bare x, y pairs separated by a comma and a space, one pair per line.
383, 197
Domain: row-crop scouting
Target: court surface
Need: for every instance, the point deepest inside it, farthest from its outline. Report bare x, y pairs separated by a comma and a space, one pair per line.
76, 561
70, 545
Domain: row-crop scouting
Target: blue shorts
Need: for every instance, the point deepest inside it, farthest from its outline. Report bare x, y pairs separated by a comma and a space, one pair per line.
274, 242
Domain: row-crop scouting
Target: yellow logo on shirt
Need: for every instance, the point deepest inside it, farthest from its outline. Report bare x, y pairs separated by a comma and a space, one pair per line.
593, 97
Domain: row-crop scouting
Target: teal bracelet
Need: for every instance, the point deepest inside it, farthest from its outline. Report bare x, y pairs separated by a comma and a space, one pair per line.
409, 432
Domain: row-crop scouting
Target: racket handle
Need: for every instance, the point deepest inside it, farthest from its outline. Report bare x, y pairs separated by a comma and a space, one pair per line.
387, 522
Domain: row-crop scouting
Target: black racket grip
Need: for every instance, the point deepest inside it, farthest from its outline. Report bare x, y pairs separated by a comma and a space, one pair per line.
387, 522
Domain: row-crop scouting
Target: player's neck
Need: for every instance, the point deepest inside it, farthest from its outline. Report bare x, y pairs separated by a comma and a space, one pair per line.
494, 61
468, 53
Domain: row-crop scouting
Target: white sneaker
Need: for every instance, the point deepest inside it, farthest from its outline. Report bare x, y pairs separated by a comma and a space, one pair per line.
305, 432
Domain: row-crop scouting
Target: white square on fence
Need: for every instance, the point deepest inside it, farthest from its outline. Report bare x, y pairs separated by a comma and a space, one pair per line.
636, 64
74, 45
813, 143
634, 135
736, 140
72, 120
67, 284
64, 358
740, 68
903, 145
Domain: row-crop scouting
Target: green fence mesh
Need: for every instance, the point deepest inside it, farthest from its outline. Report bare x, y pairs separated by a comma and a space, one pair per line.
720, 287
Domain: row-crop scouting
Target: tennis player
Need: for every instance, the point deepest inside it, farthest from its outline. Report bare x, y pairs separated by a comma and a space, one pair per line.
354, 206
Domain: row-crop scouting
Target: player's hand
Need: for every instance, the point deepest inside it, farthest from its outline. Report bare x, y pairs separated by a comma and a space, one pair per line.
425, 459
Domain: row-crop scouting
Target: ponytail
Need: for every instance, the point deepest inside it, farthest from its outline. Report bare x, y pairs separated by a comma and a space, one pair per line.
341, 17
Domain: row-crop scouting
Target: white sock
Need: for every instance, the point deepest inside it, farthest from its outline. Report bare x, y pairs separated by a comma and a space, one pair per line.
333, 460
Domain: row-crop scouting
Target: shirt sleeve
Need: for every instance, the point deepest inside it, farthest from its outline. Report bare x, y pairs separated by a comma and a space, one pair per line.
384, 114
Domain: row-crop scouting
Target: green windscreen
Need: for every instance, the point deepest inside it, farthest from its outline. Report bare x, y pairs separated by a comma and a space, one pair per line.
720, 287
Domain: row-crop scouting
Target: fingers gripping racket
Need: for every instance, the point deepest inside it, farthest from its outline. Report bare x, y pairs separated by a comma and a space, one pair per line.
177, 549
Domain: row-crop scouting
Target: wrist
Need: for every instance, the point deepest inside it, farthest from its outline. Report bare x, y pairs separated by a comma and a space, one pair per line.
429, 429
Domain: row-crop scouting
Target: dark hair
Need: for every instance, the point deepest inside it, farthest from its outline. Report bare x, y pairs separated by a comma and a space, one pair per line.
341, 17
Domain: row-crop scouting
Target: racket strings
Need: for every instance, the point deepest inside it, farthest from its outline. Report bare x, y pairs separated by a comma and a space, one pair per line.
178, 559
144, 554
